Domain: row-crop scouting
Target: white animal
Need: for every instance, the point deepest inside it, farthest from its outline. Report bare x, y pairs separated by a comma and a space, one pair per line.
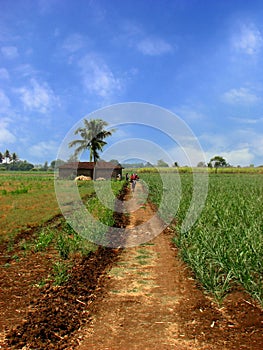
83, 178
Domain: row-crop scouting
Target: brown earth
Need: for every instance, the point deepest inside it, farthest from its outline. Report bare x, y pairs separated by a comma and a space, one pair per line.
142, 297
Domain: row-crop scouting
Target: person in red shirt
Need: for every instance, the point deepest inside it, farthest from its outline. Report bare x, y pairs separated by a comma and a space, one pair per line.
134, 178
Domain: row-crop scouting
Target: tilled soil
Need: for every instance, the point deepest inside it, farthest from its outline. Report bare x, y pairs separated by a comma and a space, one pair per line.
137, 298
61, 310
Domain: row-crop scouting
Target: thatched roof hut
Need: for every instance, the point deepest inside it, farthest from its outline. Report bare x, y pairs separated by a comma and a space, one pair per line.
103, 169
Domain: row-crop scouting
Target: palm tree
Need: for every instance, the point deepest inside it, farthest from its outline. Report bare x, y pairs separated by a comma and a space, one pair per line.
7, 155
93, 135
14, 157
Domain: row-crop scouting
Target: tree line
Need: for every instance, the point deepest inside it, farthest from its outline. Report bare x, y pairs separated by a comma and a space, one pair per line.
8, 157
11, 161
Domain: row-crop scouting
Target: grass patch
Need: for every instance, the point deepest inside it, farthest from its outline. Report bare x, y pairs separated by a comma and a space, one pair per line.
60, 273
44, 239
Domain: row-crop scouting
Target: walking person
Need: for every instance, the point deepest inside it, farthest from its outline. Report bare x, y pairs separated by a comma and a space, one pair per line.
133, 185
134, 178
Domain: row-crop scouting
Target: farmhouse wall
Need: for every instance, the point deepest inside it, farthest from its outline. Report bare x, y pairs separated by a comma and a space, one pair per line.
103, 169
107, 173
85, 172
67, 172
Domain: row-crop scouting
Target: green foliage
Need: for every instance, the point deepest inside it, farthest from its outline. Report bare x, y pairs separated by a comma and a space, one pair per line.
164, 192
162, 163
63, 246
189, 170
60, 272
102, 209
228, 235
92, 134
20, 190
19, 166
225, 245
69, 242
217, 162
28, 199
44, 239
66, 240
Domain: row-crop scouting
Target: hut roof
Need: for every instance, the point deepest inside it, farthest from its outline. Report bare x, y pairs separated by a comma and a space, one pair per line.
90, 165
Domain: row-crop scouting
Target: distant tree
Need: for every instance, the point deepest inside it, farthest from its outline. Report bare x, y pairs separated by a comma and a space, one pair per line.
201, 165
1, 157
7, 155
20, 166
73, 158
92, 134
56, 163
176, 165
217, 162
38, 166
14, 157
45, 167
148, 165
114, 161
162, 163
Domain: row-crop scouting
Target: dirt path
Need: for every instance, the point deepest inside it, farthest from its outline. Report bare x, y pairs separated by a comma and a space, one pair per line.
152, 302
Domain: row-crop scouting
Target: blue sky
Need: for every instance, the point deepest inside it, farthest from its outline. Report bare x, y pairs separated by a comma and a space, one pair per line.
62, 60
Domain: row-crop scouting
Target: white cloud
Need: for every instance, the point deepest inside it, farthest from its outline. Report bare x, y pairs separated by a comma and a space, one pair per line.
9, 52
189, 113
242, 146
131, 30
154, 46
98, 77
242, 156
248, 40
74, 42
6, 136
4, 75
247, 120
25, 70
38, 97
213, 141
187, 155
252, 139
4, 102
240, 96
44, 149
133, 35
133, 148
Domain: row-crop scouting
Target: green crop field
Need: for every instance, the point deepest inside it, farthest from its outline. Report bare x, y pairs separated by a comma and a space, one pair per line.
29, 204
225, 245
28, 200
